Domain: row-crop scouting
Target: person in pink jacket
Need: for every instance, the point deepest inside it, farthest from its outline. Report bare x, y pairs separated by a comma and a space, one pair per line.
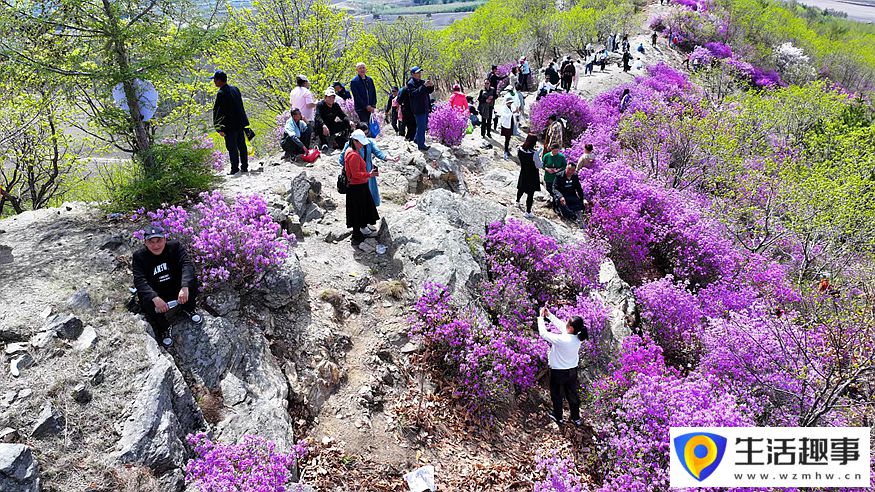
459, 101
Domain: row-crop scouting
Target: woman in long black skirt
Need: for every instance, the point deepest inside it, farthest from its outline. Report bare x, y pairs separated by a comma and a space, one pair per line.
360, 208
529, 181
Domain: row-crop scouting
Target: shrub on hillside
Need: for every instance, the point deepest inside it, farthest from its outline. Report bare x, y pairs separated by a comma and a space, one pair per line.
560, 475
573, 108
253, 465
182, 170
232, 243
447, 125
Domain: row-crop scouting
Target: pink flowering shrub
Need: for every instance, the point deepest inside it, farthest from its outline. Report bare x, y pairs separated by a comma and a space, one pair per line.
447, 125
503, 71
253, 465
348, 107
719, 50
230, 243
573, 108
560, 475
673, 317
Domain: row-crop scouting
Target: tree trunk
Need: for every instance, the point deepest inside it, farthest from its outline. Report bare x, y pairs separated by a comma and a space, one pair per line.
141, 142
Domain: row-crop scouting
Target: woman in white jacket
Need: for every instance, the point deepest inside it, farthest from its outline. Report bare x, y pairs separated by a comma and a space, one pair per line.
507, 119
563, 359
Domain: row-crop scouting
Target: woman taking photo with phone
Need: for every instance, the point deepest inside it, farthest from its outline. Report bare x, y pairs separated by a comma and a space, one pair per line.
563, 359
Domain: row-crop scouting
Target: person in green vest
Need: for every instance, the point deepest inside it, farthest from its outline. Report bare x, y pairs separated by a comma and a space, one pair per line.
554, 165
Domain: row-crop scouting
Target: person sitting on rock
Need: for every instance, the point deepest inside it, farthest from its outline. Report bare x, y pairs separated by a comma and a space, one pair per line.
296, 136
164, 278
332, 124
568, 195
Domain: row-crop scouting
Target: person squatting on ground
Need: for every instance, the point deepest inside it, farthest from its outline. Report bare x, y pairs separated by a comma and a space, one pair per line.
568, 195
229, 119
529, 182
165, 280
332, 124
361, 211
563, 360
296, 136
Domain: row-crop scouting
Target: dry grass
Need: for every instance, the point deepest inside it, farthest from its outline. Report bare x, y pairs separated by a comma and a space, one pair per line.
392, 288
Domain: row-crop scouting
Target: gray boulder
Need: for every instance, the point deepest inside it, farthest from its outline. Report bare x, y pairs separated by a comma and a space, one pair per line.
19, 471
164, 412
281, 286
79, 301
67, 327
49, 422
467, 213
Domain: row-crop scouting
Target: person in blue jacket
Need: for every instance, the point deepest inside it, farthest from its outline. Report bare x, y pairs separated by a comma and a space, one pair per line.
364, 94
367, 152
420, 103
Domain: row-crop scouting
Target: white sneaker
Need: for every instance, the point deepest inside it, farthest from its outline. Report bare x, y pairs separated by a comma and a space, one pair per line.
367, 232
196, 318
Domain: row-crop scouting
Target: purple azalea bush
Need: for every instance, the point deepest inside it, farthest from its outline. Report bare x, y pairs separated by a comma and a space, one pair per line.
253, 465
230, 243
573, 108
560, 475
447, 125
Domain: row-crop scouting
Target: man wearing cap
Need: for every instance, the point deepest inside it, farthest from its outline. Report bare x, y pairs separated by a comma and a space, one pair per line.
163, 273
420, 104
229, 119
332, 124
340, 90
525, 72
363, 93
301, 98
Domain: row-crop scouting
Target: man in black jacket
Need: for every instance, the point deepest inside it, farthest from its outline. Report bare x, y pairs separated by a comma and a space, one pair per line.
568, 195
332, 125
164, 278
229, 119
486, 100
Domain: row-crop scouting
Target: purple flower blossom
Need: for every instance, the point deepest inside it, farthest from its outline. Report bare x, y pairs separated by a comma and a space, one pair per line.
447, 125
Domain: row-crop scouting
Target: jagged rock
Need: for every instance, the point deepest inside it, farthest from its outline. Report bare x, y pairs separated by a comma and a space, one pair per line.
19, 471
87, 340
620, 300
96, 374
48, 423
410, 347
337, 232
164, 412
208, 350
113, 243
81, 394
79, 301
16, 347
222, 302
299, 195
470, 214
6, 255
9, 435
68, 327
8, 334
282, 286
368, 245
19, 363
502, 177
43, 339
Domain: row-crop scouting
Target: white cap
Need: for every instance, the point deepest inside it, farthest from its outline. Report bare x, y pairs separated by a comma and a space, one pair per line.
360, 137
330, 92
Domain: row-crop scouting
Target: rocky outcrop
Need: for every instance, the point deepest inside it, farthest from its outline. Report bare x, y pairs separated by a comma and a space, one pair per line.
163, 414
19, 471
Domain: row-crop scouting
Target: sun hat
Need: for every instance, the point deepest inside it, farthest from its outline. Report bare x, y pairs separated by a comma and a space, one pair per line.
360, 136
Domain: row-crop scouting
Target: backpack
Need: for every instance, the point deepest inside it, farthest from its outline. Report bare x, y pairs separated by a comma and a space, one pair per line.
568, 70
342, 180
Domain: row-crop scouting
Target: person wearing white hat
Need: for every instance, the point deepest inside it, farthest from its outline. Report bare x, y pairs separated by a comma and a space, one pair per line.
360, 208
332, 124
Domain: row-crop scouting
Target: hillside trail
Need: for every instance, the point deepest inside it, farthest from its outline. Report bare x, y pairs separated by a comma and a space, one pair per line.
374, 325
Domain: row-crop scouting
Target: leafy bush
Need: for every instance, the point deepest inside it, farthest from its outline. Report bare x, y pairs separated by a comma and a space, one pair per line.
229, 243
182, 170
253, 465
447, 125
560, 475
573, 108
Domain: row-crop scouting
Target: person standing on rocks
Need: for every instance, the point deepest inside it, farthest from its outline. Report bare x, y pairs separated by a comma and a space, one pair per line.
164, 278
563, 359
507, 119
229, 119
364, 93
555, 133
525, 74
420, 104
529, 182
367, 153
393, 112
406, 111
486, 100
568, 73
361, 211
627, 58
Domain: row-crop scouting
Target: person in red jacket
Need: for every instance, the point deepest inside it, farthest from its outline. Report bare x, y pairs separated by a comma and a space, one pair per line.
360, 208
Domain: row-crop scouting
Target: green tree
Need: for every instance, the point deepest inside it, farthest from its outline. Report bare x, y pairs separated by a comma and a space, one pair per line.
268, 44
397, 47
93, 45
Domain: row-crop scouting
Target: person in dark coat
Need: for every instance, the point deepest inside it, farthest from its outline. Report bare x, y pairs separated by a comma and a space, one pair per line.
332, 124
486, 101
229, 119
364, 94
360, 208
407, 114
627, 57
163, 273
552, 74
529, 182
568, 195
420, 104
392, 111
494, 78
568, 72
340, 90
